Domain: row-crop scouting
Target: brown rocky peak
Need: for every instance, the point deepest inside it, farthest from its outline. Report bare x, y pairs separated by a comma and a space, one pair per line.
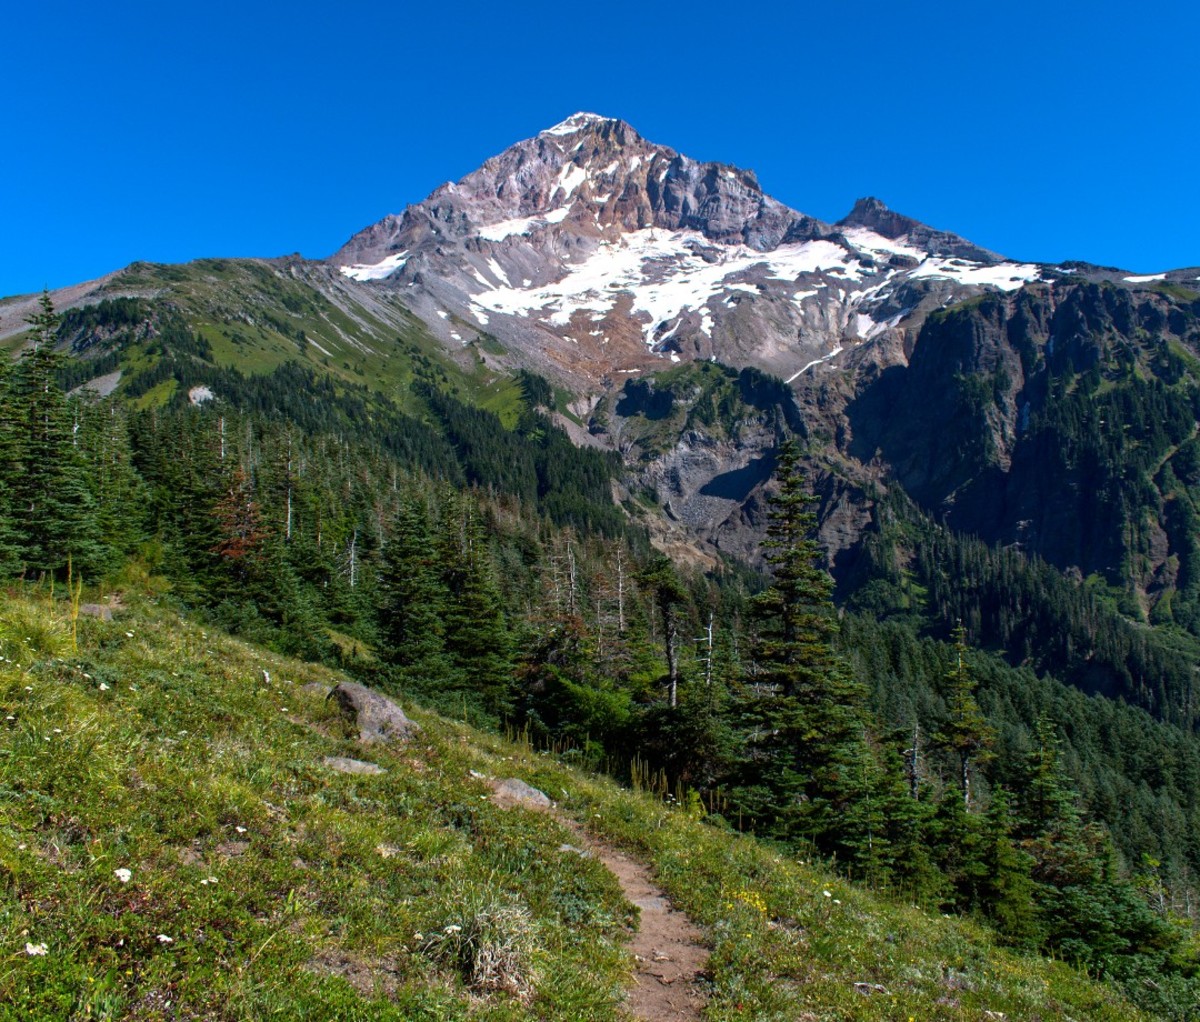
871, 213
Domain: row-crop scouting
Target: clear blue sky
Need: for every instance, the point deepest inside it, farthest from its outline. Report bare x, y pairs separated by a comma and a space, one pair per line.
170, 131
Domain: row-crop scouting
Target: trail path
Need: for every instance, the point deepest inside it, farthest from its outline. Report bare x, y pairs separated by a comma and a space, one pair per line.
668, 948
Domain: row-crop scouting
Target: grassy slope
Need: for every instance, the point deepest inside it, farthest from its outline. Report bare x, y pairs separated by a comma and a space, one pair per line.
252, 312
287, 889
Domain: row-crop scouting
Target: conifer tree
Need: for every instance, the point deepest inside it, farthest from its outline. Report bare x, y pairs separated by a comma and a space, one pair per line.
966, 733
10, 467
477, 638
53, 502
661, 582
807, 712
412, 599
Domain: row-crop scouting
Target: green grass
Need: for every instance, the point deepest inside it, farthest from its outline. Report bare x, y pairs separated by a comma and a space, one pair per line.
251, 312
158, 395
287, 890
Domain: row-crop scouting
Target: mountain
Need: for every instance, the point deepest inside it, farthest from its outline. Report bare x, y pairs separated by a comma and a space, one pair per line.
594, 253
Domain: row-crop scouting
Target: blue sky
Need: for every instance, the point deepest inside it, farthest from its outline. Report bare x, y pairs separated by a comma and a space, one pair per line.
171, 131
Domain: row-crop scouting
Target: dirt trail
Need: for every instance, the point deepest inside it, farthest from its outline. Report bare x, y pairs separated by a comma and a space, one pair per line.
668, 948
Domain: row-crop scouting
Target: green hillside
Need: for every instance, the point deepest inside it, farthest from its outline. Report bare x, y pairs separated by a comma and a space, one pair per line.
254, 316
260, 883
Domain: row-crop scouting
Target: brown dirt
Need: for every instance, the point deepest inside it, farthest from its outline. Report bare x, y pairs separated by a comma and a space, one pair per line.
668, 948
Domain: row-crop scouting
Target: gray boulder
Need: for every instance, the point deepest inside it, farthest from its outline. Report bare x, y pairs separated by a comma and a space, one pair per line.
378, 718
516, 792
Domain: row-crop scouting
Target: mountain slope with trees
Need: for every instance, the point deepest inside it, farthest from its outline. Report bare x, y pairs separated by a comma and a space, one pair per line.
486, 571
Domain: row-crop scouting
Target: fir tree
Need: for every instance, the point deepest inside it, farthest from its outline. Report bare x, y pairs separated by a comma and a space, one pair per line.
966, 733
661, 582
807, 713
10, 468
477, 639
52, 499
412, 599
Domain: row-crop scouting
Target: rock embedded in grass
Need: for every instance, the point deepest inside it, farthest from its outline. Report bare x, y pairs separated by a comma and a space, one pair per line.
378, 718
516, 792
352, 766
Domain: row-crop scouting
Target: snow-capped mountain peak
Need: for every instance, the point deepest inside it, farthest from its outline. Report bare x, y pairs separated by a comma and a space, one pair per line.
590, 250
576, 123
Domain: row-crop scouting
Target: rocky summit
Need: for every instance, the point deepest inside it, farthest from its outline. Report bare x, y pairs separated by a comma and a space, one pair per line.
595, 253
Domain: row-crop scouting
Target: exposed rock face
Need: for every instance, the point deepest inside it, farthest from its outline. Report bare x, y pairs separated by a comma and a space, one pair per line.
378, 718
1056, 419
588, 251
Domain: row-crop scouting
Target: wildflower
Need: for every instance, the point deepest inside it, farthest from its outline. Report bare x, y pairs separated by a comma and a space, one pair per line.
208, 880
35, 949
122, 874
240, 830
164, 939
453, 929
827, 894
103, 687
129, 635
58, 731
418, 936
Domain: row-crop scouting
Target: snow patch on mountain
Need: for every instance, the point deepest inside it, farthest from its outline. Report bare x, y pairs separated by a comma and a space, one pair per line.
866, 240
376, 271
667, 273
522, 225
569, 178
816, 361
1005, 276
574, 123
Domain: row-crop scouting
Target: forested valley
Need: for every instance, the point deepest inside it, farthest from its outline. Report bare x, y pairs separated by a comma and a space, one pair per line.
487, 572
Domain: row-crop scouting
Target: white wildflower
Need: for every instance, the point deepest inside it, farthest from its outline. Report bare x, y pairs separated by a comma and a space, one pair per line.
129, 635
827, 894
453, 929
164, 939
103, 687
240, 830
35, 949
123, 874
